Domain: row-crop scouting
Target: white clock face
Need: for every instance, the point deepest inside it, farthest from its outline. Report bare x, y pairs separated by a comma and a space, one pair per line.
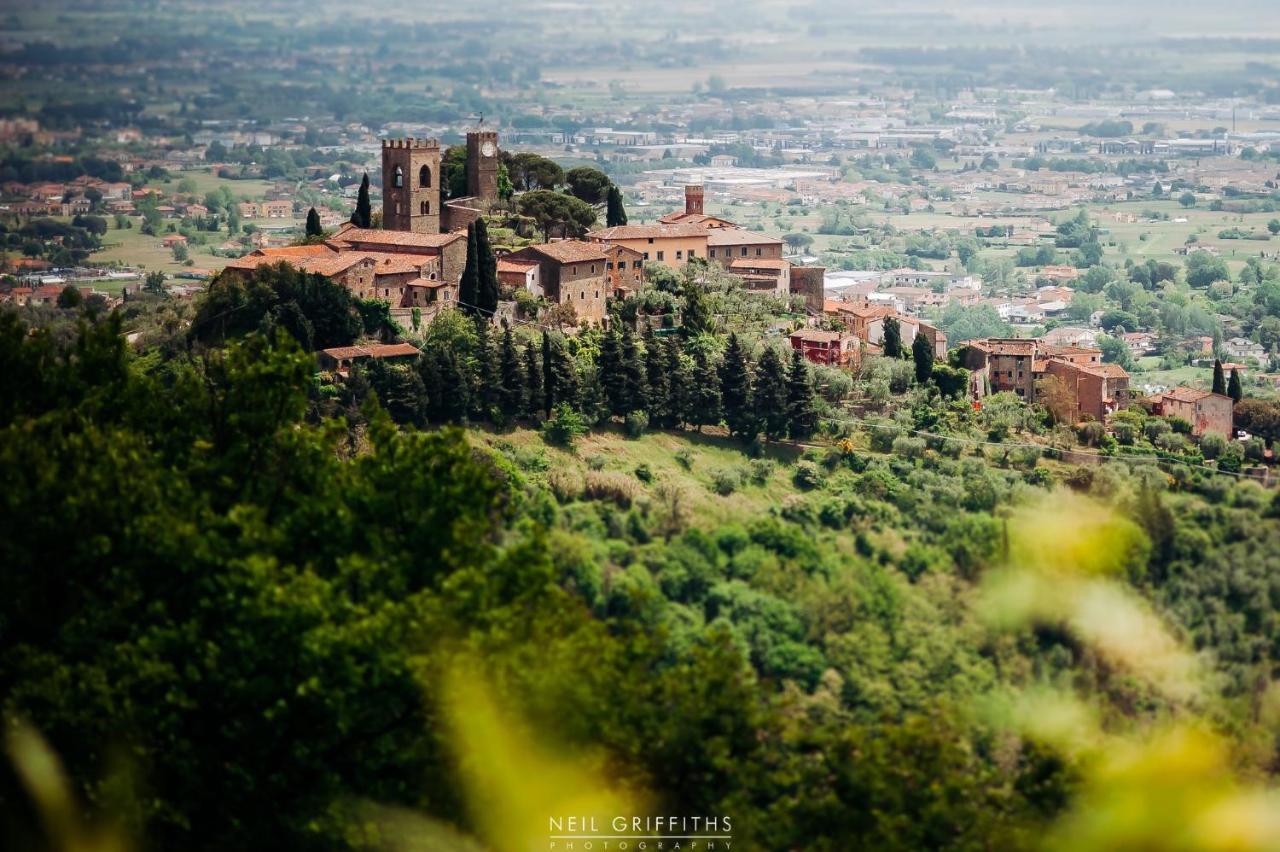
488, 149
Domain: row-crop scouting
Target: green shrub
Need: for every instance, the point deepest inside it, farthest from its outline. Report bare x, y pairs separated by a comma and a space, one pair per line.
636, 423
761, 470
564, 427
644, 473
684, 457
596, 462
726, 480
807, 475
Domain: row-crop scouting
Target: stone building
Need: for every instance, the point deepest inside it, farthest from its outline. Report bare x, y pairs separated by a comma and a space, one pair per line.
410, 185
1205, 411
571, 272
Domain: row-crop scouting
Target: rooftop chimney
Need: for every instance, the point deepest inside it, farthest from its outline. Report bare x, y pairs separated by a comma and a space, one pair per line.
693, 199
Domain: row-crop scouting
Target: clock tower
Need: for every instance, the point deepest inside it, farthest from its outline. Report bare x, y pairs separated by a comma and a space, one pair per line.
482, 165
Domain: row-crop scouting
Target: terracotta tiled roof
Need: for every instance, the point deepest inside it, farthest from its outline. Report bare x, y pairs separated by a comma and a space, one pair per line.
516, 265
569, 251
1007, 347
372, 236
760, 263
295, 251
1185, 394
641, 232
817, 335
381, 350
739, 237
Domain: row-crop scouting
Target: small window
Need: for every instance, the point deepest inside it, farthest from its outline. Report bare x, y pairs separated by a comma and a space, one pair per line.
691, 252
744, 251
593, 269
713, 252
597, 294
425, 208
679, 254
582, 296
651, 241
659, 255
398, 180
646, 255
758, 252
424, 177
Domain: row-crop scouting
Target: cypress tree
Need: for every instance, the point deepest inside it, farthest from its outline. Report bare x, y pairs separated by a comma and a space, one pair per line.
1219, 380
735, 391
469, 286
432, 384
769, 395
568, 386
657, 381
550, 393
313, 223
612, 380
614, 213
592, 400
455, 402
483, 397
487, 267
703, 400
511, 395
802, 420
922, 354
679, 383
363, 215
533, 381
892, 338
697, 314
1234, 390
634, 391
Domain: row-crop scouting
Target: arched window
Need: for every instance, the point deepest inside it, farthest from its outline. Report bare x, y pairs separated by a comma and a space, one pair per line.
398, 181
424, 176
424, 207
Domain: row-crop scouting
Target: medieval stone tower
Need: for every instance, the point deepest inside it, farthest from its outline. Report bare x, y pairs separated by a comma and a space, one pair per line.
693, 199
411, 185
482, 165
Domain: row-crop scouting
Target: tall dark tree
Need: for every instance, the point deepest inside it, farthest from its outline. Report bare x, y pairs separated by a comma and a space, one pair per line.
313, 224
657, 378
769, 395
1234, 389
483, 374
511, 377
613, 381
562, 385
703, 399
615, 214
363, 215
680, 380
469, 286
532, 381
892, 338
487, 267
1219, 380
802, 419
697, 313
634, 394
550, 392
922, 354
735, 391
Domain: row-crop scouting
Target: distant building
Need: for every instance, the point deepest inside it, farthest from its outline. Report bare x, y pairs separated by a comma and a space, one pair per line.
572, 272
1205, 411
832, 348
341, 359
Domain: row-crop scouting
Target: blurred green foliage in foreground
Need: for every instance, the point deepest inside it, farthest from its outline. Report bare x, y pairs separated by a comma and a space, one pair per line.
240, 623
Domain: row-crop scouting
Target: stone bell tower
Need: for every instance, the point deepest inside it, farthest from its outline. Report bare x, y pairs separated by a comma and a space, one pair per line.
411, 185
482, 165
